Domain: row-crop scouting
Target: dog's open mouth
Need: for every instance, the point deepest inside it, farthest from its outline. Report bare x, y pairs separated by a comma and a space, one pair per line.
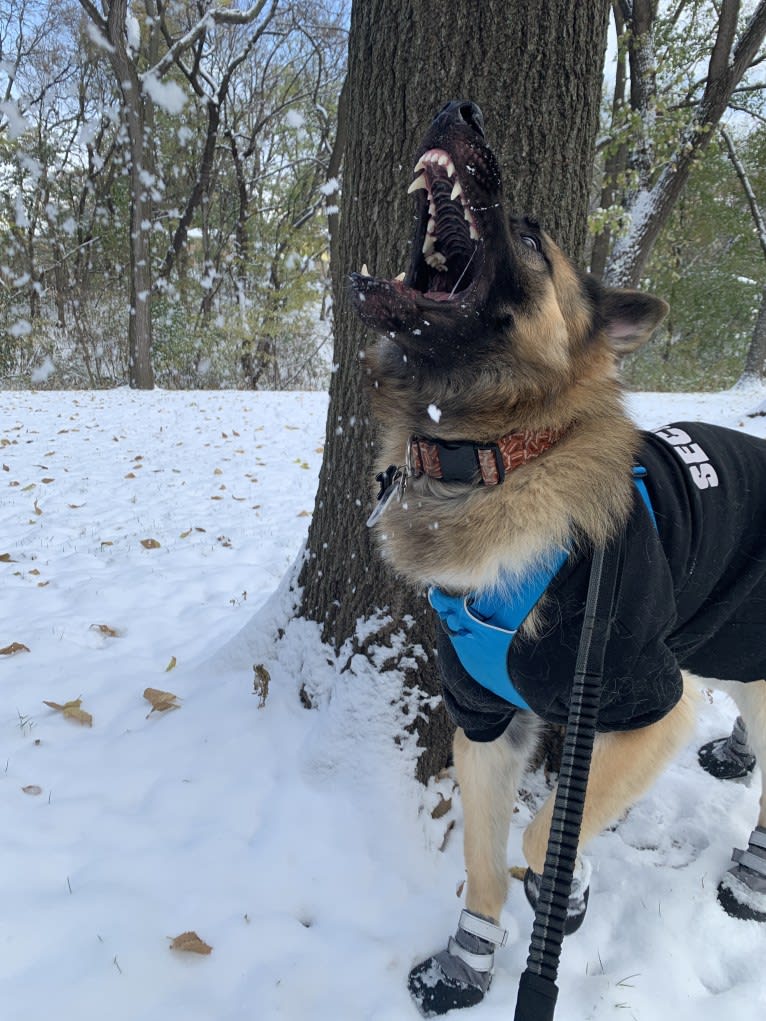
446, 242
459, 240
445, 260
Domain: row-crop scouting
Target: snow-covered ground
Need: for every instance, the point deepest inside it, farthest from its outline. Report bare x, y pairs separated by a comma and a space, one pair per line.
294, 842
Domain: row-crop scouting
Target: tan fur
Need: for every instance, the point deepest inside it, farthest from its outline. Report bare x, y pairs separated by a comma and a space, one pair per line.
624, 767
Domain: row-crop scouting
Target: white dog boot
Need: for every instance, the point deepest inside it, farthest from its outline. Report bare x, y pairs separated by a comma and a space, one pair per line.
460, 975
578, 894
742, 891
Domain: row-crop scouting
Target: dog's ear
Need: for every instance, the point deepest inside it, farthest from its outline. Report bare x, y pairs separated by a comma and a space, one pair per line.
630, 317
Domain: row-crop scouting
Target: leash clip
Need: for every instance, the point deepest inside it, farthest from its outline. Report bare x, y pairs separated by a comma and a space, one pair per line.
392, 482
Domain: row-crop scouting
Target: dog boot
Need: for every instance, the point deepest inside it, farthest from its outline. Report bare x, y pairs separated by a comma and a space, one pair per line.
460, 975
578, 894
742, 891
728, 758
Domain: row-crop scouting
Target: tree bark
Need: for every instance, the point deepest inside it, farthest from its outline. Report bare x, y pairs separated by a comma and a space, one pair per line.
535, 69
140, 372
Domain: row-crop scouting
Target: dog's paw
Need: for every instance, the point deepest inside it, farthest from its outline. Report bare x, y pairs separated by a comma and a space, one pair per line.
742, 891
443, 983
460, 975
578, 897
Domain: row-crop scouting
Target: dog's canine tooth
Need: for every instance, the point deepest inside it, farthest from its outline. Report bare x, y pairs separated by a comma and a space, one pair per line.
457, 191
365, 272
420, 165
450, 168
400, 278
417, 184
428, 245
475, 236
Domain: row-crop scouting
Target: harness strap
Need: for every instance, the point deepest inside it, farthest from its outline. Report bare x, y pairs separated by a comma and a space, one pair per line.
482, 625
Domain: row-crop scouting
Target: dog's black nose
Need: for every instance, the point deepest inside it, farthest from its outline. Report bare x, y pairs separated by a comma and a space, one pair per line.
462, 111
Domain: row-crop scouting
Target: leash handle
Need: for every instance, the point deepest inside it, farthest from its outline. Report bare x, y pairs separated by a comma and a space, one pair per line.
536, 1000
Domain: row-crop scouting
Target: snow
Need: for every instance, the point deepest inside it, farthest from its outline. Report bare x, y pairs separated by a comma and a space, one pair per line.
166, 94
294, 842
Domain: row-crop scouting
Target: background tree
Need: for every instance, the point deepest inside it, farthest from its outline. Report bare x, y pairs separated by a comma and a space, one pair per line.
680, 66
237, 142
535, 69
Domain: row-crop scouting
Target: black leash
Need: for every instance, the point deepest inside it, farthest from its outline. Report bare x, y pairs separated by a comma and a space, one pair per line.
538, 991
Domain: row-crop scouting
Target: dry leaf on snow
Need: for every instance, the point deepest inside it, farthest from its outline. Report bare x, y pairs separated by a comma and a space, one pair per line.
150, 544
171, 665
104, 629
160, 701
261, 682
6, 558
190, 943
32, 788
72, 711
13, 648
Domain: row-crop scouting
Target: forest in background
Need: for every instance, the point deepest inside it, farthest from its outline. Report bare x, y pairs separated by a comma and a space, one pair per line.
207, 133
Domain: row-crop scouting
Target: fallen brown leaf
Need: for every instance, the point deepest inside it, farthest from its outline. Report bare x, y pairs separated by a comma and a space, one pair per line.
150, 544
517, 872
160, 701
6, 558
445, 804
13, 648
32, 788
261, 682
171, 665
105, 630
72, 711
190, 943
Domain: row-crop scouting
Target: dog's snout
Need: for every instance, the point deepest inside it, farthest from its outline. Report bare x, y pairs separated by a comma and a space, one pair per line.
462, 111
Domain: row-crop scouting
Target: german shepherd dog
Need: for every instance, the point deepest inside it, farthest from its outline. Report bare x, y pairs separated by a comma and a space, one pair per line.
495, 388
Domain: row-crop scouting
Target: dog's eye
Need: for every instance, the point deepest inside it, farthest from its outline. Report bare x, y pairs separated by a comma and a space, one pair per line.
531, 242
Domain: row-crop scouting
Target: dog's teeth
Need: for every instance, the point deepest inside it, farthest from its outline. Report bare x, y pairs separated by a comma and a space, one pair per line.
400, 278
432, 209
420, 165
428, 245
474, 233
443, 160
457, 191
417, 184
437, 261
365, 271
450, 168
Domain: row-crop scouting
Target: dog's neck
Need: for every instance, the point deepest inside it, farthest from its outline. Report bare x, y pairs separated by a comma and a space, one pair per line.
476, 463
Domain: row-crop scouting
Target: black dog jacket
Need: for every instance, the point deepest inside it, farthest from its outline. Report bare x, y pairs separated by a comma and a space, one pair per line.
691, 594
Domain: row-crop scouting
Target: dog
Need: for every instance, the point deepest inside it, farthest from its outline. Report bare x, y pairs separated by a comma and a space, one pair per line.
506, 457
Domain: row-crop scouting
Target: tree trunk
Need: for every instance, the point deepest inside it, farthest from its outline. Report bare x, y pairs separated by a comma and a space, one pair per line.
140, 372
535, 70
755, 360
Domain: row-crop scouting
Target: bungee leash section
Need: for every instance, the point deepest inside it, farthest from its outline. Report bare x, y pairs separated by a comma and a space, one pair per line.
537, 994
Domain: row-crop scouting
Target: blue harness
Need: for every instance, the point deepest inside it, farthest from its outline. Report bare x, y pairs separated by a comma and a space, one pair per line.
482, 625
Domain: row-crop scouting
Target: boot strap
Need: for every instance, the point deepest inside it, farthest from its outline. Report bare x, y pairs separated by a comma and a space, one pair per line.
750, 861
479, 962
478, 926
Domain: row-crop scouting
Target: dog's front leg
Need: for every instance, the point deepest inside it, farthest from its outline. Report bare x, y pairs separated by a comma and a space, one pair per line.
488, 774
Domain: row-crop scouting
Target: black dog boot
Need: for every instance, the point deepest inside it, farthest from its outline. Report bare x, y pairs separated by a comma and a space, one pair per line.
578, 894
460, 975
728, 758
742, 891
